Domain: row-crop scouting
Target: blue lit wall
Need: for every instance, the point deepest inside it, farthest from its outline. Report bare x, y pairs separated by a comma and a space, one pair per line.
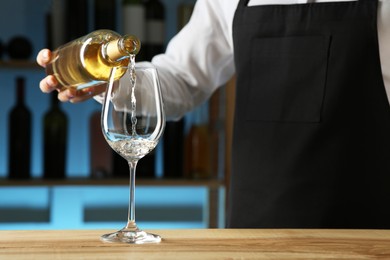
26, 18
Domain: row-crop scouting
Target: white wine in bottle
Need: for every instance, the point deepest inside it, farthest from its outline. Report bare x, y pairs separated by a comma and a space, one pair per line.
87, 61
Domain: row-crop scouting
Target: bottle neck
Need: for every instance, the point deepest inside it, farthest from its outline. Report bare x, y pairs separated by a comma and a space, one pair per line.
54, 100
121, 48
20, 90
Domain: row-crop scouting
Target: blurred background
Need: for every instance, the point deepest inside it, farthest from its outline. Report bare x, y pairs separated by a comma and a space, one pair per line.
180, 185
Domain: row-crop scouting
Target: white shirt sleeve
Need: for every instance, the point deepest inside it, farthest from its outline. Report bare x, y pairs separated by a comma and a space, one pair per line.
198, 59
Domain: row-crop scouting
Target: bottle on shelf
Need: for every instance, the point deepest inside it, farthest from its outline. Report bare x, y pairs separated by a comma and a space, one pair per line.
19, 135
133, 21
174, 149
217, 133
154, 42
55, 129
88, 60
2, 49
56, 25
174, 130
198, 161
146, 167
120, 167
76, 18
105, 15
100, 151
184, 13
69, 20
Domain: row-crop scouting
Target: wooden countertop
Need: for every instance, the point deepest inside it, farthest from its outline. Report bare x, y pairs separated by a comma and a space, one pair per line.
201, 244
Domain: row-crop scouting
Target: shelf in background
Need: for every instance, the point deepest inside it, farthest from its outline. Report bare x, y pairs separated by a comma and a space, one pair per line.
214, 187
19, 64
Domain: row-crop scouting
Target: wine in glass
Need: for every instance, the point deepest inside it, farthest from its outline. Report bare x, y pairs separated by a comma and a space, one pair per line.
133, 121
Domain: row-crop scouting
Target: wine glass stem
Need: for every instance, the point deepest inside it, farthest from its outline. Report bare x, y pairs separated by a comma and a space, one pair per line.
131, 215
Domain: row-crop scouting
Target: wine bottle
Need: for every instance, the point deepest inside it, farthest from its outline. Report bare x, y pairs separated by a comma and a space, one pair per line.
133, 21
58, 15
19, 135
105, 14
198, 147
146, 167
174, 149
87, 61
120, 167
174, 130
76, 18
1, 49
184, 14
100, 151
55, 126
154, 42
49, 30
216, 132
152, 45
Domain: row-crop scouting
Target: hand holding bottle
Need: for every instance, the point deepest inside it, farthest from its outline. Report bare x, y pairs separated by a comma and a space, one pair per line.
50, 83
81, 68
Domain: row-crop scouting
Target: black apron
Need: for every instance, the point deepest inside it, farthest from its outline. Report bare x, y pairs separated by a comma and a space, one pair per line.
311, 144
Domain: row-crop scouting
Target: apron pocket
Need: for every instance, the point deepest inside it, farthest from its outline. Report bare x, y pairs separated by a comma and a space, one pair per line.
288, 77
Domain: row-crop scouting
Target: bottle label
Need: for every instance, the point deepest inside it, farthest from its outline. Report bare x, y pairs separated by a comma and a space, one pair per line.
155, 32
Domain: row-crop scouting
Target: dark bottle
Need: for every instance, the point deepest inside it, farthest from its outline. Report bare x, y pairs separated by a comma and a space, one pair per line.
2, 49
198, 146
154, 42
146, 167
152, 45
120, 167
174, 130
100, 151
174, 149
19, 135
55, 127
105, 15
133, 22
76, 19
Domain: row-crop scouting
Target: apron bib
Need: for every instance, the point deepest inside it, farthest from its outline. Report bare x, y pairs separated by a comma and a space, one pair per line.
311, 144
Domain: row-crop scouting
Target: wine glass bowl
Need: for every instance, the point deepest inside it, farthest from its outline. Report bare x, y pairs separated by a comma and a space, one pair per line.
132, 122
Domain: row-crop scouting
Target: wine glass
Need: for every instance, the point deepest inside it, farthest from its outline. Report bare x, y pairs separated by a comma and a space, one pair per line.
133, 121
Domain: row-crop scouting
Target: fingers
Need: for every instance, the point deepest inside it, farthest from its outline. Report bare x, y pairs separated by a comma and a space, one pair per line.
44, 57
48, 84
75, 96
65, 94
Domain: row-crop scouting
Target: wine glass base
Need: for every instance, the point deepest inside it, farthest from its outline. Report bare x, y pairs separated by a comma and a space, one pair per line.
131, 237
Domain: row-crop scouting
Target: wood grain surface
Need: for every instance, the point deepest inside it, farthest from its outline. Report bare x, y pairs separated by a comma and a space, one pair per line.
201, 244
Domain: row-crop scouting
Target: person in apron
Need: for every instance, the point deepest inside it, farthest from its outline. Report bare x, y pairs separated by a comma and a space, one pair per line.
311, 144
311, 133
